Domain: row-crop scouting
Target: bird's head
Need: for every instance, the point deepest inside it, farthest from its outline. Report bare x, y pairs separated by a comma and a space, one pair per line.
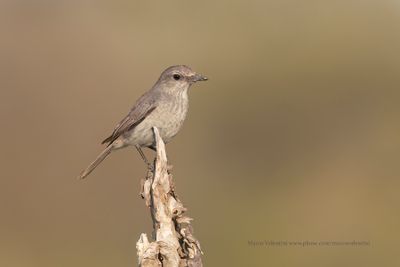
180, 77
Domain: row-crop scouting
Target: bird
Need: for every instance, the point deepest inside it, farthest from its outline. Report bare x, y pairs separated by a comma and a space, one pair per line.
164, 106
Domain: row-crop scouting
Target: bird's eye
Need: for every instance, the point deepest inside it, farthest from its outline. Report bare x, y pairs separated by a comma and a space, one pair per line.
176, 77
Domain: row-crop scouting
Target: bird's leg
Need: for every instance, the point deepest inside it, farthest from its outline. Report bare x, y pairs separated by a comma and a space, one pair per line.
149, 165
142, 154
149, 174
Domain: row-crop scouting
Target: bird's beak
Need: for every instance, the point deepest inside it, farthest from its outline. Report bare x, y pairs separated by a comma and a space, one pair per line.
198, 78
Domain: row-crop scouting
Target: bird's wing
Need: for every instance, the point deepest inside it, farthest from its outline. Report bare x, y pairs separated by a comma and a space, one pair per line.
143, 107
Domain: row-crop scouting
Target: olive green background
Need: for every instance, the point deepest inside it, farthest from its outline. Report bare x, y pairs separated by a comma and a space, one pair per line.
295, 136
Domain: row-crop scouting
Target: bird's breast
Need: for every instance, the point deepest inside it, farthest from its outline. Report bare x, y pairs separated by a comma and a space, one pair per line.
168, 117
171, 118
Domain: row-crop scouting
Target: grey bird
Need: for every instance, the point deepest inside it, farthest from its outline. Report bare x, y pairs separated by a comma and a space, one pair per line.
164, 106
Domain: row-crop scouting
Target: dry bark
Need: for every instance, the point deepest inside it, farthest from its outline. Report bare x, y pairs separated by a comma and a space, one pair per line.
174, 244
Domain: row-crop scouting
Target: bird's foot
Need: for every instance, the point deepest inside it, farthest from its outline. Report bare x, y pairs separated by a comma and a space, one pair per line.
141, 193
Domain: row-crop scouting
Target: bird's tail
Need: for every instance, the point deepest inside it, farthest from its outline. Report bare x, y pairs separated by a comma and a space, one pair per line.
96, 162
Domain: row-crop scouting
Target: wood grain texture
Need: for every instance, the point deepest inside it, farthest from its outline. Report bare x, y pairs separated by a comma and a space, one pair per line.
174, 244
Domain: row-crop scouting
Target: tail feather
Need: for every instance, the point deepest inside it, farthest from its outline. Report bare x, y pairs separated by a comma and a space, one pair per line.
96, 162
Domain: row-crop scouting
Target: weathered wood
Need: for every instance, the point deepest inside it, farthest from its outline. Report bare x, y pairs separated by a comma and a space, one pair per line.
174, 245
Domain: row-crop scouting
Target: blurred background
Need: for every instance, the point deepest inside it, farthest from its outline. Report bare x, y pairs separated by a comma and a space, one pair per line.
294, 137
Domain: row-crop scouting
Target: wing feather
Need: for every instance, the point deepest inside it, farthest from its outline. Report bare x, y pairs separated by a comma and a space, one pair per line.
143, 107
